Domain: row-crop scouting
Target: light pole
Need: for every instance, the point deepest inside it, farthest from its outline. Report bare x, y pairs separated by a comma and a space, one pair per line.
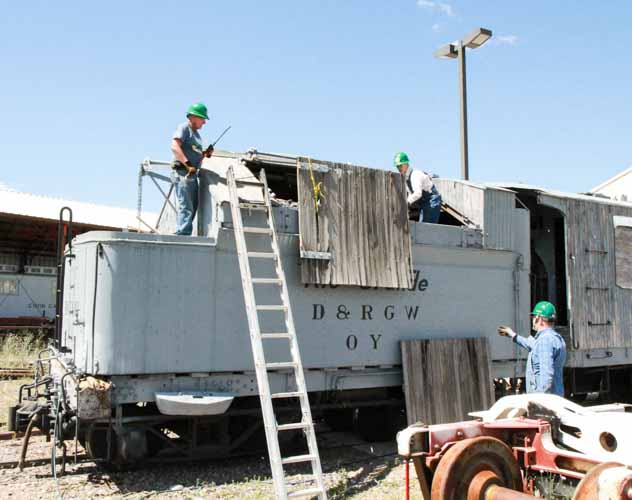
457, 50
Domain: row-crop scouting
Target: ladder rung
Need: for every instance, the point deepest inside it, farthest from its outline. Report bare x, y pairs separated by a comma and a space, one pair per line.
290, 427
305, 492
257, 230
262, 255
252, 180
276, 335
279, 366
266, 281
253, 206
272, 308
282, 395
297, 459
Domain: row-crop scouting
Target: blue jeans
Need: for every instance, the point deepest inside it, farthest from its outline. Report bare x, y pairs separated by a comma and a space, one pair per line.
187, 196
430, 207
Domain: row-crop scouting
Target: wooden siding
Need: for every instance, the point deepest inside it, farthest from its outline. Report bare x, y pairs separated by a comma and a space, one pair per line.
500, 208
465, 198
362, 221
445, 379
600, 311
490, 209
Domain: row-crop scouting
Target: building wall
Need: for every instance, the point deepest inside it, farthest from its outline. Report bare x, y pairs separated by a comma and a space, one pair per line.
27, 295
619, 189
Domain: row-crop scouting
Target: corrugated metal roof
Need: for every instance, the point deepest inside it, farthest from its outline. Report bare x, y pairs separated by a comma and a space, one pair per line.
44, 207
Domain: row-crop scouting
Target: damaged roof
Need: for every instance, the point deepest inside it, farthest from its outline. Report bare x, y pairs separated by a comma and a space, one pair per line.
516, 186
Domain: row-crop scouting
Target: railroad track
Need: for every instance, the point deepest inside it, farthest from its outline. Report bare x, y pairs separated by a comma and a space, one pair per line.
82, 457
16, 372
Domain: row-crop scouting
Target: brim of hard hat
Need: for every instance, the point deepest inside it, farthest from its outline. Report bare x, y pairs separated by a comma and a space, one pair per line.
199, 115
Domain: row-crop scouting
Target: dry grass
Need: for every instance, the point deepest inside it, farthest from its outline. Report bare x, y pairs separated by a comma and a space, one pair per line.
248, 478
18, 350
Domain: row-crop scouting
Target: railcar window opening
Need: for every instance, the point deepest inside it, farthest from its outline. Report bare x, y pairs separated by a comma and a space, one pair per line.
623, 251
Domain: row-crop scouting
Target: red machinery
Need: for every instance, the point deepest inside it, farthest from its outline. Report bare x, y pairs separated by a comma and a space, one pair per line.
520, 448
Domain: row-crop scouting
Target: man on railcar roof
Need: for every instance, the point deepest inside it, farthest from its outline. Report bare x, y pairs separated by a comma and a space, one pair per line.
188, 153
423, 196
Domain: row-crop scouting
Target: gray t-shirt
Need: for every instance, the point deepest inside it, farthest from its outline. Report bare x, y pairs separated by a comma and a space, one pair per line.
191, 143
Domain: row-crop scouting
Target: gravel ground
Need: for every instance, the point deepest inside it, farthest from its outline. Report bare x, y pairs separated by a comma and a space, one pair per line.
361, 471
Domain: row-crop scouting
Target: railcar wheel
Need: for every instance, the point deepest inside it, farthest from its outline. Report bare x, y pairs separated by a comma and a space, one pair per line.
615, 484
96, 443
379, 423
120, 450
473, 465
339, 419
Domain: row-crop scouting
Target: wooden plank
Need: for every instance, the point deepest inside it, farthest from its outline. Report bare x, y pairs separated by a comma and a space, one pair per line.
445, 379
362, 222
596, 318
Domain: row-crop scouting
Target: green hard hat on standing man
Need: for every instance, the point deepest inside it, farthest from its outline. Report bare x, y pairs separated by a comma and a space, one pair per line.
544, 309
401, 159
198, 109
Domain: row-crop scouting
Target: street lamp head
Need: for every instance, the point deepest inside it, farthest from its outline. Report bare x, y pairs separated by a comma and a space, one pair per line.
447, 51
477, 38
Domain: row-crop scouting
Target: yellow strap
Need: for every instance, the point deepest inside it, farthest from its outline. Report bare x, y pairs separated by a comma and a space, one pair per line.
316, 188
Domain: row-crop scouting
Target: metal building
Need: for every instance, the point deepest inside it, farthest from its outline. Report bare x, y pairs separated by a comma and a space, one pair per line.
617, 188
28, 234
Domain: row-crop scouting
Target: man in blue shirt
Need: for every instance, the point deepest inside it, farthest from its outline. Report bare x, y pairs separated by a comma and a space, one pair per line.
188, 152
547, 351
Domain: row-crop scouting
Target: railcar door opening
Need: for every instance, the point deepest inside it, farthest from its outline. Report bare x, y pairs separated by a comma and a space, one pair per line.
548, 256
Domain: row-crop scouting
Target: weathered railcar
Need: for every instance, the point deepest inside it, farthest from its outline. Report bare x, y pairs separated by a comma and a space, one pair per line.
581, 254
153, 313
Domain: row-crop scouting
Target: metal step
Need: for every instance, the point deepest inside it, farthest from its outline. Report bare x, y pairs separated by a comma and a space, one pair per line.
297, 459
267, 281
283, 395
272, 308
280, 366
261, 255
276, 335
291, 427
257, 230
305, 492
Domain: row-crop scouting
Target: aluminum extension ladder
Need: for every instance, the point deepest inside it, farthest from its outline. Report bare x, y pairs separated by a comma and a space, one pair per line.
257, 338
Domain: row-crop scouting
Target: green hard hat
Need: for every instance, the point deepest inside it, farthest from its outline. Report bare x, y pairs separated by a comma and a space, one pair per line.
198, 109
401, 159
544, 309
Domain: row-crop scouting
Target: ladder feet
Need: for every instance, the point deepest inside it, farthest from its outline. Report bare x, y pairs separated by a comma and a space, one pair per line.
305, 492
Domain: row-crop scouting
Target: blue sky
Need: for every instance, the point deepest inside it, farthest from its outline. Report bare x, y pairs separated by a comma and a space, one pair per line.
90, 89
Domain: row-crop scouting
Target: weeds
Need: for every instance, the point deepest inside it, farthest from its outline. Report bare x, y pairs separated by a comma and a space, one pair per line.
18, 350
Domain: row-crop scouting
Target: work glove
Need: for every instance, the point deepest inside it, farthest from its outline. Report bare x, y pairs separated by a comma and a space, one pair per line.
190, 169
505, 331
